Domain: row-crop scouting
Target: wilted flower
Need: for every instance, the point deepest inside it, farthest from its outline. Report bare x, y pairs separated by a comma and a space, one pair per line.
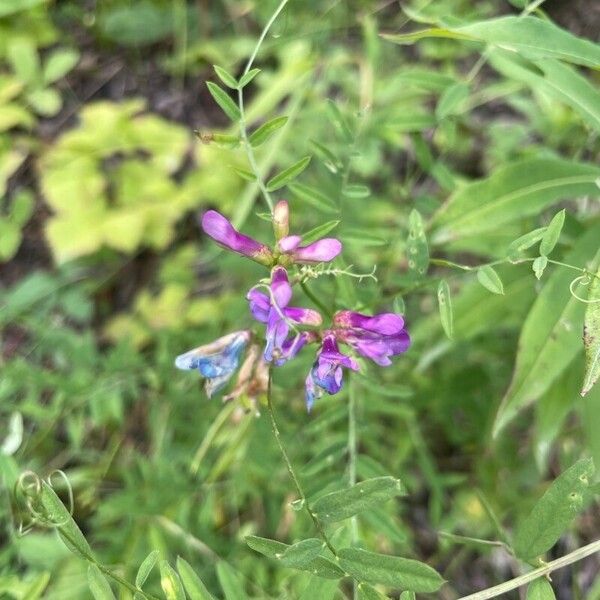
253, 378
216, 361
273, 310
288, 249
327, 373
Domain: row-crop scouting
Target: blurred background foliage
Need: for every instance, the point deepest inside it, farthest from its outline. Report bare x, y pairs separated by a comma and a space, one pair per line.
106, 277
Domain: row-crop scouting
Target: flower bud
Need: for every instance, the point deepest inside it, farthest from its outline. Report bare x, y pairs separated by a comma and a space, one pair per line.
281, 219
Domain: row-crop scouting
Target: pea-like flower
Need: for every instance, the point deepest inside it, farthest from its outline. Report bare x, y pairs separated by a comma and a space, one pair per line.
287, 250
216, 361
377, 338
327, 373
273, 310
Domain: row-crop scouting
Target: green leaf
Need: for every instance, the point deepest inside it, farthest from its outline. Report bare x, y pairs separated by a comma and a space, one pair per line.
99, 586
339, 121
267, 547
514, 191
528, 36
393, 571
490, 280
367, 592
591, 336
319, 589
229, 107
550, 336
230, 582
319, 231
450, 101
301, 554
314, 197
539, 266
145, 568
555, 79
327, 157
193, 585
248, 77
227, 78
540, 589
287, 175
445, 308
244, 173
365, 495
552, 233
46, 102
554, 511
521, 244
170, 582
59, 63
23, 58
407, 596
356, 191
416, 244
266, 130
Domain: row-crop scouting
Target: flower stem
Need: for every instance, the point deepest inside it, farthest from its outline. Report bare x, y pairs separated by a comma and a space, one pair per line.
548, 568
242, 120
352, 456
290, 468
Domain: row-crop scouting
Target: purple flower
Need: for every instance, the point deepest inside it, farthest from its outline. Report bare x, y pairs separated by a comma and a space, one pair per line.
273, 310
326, 374
224, 233
216, 361
288, 249
377, 338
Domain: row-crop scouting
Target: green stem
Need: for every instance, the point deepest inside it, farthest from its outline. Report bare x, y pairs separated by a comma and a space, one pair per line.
290, 468
242, 121
352, 456
314, 299
548, 568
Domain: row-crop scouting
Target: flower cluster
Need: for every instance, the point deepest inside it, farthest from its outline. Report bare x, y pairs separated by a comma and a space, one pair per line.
290, 328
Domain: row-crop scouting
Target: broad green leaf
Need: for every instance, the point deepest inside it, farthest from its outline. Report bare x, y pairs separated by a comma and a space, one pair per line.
529, 36
267, 547
314, 197
45, 102
58, 64
356, 191
521, 244
490, 280
229, 107
12, 115
451, 100
368, 592
193, 585
145, 568
539, 266
591, 335
301, 554
551, 335
555, 79
227, 78
393, 571
99, 586
416, 245
319, 231
445, 308
552, 233
540, 589
230, 582
24, 59
365, 495
321, 589
514, 191
554, 511
248, 77
287, 175
170, 582
266, 130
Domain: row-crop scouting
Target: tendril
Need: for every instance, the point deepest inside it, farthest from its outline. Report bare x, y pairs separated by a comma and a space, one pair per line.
316, 272
583, 280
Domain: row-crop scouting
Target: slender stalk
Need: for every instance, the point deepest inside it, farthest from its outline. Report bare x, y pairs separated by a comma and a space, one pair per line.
242, 121
290, 468
548, 568
352, 456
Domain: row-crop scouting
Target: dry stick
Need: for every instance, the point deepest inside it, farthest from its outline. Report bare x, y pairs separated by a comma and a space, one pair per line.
507, 586
290, 468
